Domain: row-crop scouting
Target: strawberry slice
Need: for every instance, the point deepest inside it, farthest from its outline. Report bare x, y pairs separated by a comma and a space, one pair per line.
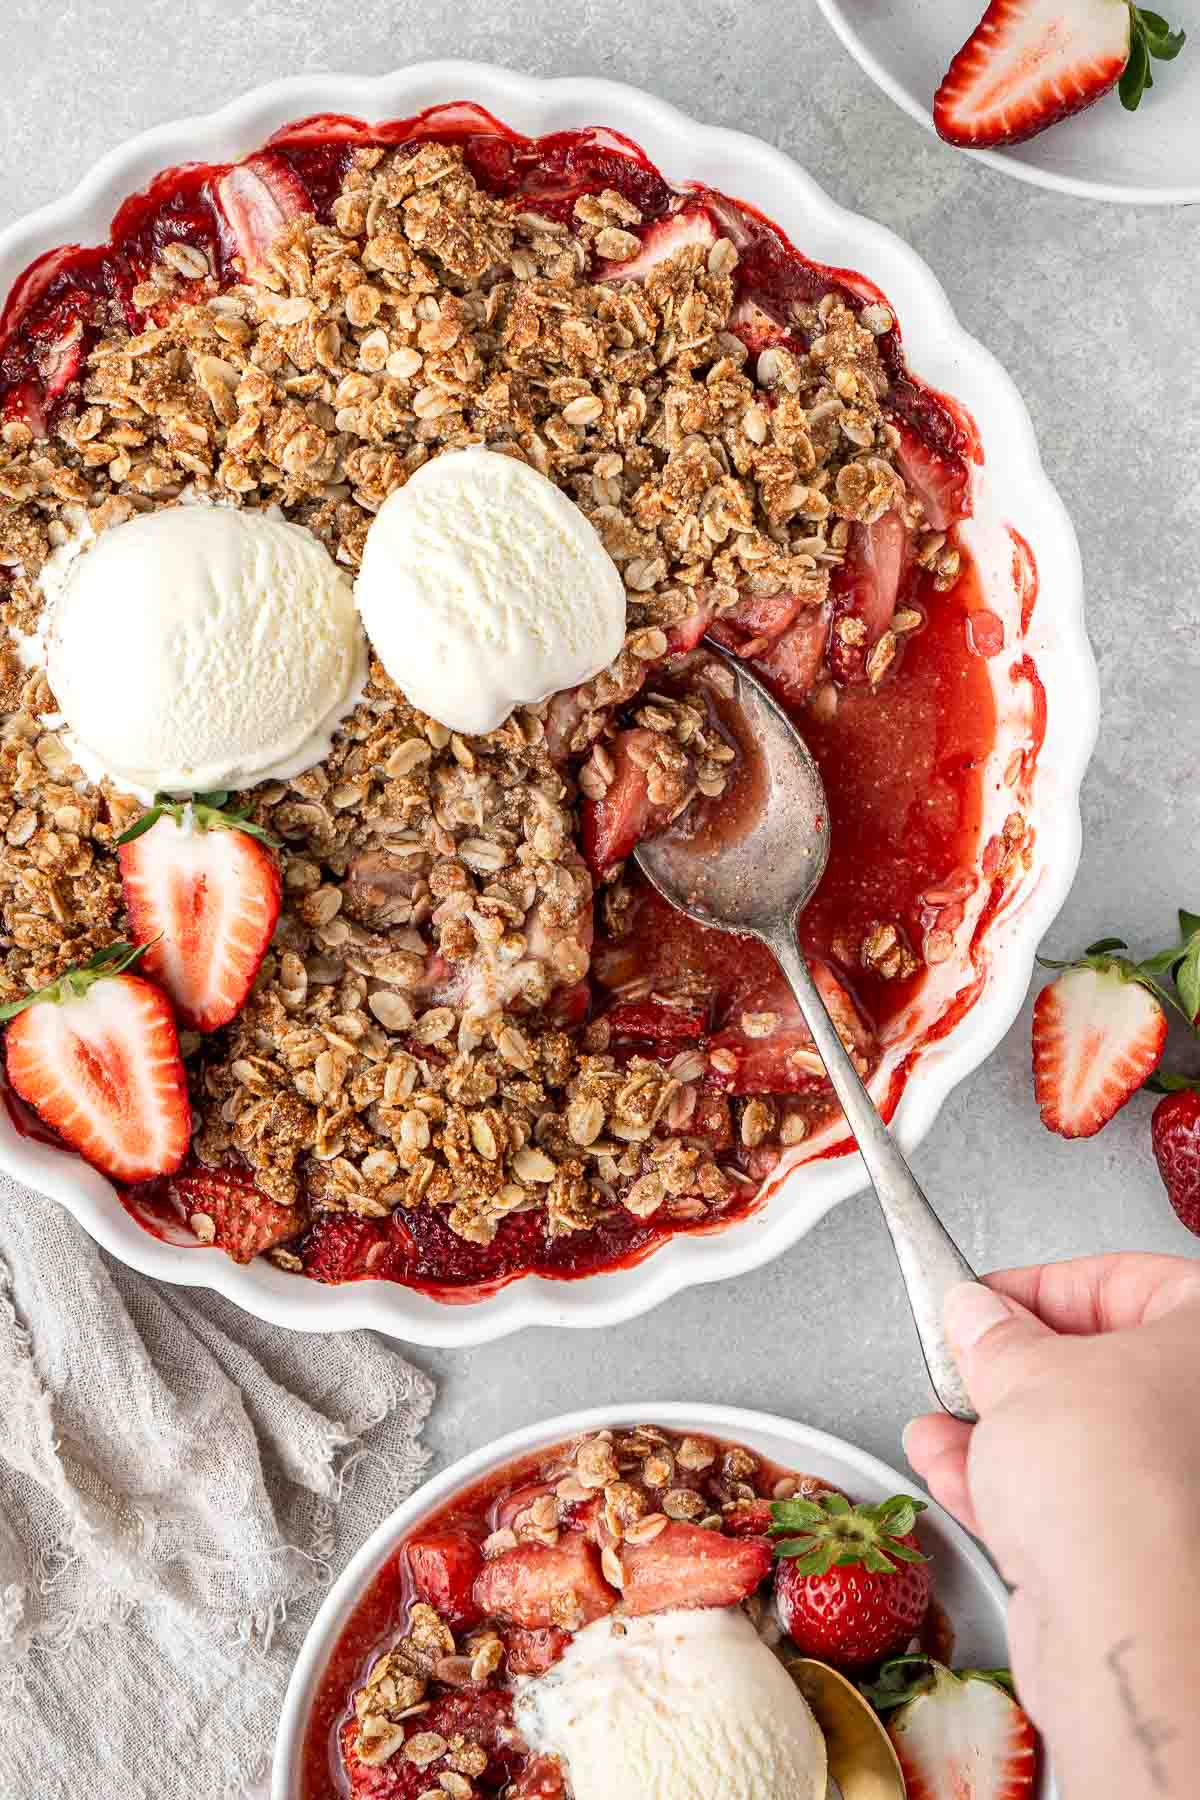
96, 1055
757, 329
539, 1585
533, 1652
686, 1565
866, 588
1098, 1033
663, 239
259, 197
957, 1736
1030, 63
792, 663
223, 1207
202, 891
938, 479
444, 1566
659, 1021
613, 825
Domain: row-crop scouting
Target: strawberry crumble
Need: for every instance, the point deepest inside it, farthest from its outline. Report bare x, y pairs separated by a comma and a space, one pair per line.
466, 1040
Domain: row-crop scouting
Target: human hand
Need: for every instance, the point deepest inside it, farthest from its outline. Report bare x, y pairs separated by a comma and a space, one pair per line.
1083, 1478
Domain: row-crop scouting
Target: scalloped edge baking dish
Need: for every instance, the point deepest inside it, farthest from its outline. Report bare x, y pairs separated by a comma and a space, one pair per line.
1011, 488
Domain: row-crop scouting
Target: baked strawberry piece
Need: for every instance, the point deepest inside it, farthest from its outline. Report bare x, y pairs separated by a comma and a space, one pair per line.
539, 1585
685, 1565
224, 1207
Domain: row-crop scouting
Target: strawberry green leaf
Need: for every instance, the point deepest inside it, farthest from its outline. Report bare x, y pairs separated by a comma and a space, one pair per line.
1189, 923
1102, 945
207, 812
1158, 1083
74, 984
1161, 41
1136, 76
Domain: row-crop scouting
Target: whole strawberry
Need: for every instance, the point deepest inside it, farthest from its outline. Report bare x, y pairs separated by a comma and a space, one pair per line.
1175, 1134
851, 1584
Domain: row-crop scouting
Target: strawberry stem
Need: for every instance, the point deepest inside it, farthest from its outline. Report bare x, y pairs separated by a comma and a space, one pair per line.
206, 812
74, 984
830, 1533
1150, 39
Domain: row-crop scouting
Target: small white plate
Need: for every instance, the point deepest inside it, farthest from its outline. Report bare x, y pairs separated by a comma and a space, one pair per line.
973, 1595
1147, 158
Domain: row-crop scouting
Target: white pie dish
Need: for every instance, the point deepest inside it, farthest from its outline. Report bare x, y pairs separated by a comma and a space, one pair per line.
1012, 487
966, 1584
1147, 158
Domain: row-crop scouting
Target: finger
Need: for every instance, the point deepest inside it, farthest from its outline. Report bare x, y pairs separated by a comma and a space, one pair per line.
1101, 1293
932, 1436
946, 1479
997, 1344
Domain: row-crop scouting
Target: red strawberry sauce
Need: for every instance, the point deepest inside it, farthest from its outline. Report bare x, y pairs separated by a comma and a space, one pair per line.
902, 767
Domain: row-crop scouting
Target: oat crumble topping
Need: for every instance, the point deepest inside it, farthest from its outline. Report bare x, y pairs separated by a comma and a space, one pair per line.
411, 1039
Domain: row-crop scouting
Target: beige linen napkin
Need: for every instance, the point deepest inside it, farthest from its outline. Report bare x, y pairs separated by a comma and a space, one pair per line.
178, 1485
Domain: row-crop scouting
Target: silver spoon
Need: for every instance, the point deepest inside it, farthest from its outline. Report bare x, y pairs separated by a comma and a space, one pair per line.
757, 879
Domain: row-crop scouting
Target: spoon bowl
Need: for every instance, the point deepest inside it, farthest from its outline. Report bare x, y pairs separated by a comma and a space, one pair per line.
752, 866
862, 1761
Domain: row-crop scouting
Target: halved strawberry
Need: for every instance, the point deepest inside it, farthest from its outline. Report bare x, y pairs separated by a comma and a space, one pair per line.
1030, 63
533, 1652
1099, 1031
96, 1055
792, 663
659, 1021
614, 824
936, 477
866, 588
443, 1566
958, 1736
202, 891
259, 197
225, 1208
537, 1585
664, 238
851, 1584
686, 1565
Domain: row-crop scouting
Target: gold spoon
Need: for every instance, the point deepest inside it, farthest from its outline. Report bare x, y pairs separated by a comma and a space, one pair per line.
861, 1758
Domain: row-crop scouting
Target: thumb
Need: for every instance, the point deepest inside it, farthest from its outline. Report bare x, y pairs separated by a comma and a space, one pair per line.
997, 1343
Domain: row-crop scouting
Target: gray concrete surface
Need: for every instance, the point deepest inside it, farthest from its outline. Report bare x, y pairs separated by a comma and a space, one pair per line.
1093, 311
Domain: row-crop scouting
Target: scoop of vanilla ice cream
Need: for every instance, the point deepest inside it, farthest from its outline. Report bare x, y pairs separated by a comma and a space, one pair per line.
683, 1705
200, 647
483, 588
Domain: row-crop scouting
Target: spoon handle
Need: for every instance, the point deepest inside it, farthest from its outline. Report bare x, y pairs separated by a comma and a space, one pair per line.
930, 1260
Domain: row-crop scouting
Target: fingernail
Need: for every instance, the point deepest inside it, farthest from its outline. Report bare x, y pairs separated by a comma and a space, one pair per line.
904, 1437
970, 1310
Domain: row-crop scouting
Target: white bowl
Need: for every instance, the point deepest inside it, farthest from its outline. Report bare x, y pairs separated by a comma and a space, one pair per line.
972, 1593
1146, 158
1012, 487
